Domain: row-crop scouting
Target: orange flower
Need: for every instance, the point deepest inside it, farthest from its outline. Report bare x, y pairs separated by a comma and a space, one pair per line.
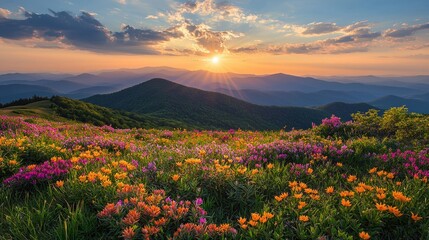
281, 197
128, 233
255, 171
351, 178
309, 170
360, 189
364, 235
243, 226
381, 196
373, 170
345, 203
416, 217
242, 220
293, 184
268, 215
400, 197
270, 165
303, 218
59, 184
394, 210
253, 223
329, 190
339, 164
381, 207
255, 216
301, 205
175, 177
132, 217
297, 196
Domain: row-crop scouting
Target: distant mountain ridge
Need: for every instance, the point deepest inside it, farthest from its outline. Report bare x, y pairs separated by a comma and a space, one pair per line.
269, 90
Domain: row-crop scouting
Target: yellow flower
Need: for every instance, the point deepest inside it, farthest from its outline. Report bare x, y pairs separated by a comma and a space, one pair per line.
59, 184
193, 161
364, 235
82, 178
339, 164
303, 218
270, 165
416, 217
329, 190
345, 203
268, 215
400, 197
255, 171
106, 183
241, 170
175, 177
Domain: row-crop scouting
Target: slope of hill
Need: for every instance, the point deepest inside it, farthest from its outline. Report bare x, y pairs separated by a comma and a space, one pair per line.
12, 92
63, 109
210, 110
413, 105
296, 98
344, 110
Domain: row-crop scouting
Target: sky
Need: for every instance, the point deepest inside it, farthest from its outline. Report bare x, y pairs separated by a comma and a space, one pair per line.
301, 37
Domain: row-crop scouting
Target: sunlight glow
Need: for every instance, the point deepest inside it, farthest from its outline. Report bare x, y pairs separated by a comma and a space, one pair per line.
215, 60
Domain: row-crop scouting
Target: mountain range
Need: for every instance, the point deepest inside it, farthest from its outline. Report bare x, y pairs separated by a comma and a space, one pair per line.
268, 90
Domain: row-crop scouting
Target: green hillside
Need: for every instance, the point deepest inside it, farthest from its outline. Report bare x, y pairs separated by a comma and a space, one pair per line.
62, 109
202, 109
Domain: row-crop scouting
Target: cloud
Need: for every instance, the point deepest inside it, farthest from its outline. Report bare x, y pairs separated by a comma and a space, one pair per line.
151, 17
222, 11
4, 13
320, 28
82, 32
123, 2
406, 31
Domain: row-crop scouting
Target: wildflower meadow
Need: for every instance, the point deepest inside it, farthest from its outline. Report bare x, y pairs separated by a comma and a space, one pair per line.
362, 179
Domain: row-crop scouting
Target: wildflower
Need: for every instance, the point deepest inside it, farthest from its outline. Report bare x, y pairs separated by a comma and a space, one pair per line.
381, 196
390, 175
82, 178
373, 170
301, 205
175, 177
416, 217
309, 170
351, 178
400, 197
128, 233
179, 164
381, 207
360, 189
106, 183
345, 203
59, 184
132, 217
242, 220
339, 164
255, 216
270, 165
293, 184
281, 197
255, 171
243, 226
13, 162
394, 210
398, 183
253, 223
242, 170
329, 190
297, 195
268, 215
364, 235
303, 218
193, 161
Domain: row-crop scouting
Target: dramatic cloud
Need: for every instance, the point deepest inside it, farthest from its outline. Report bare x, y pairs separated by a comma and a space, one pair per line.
406, 31
85, 32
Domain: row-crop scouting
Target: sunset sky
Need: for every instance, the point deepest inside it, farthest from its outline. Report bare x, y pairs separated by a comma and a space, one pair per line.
302, 37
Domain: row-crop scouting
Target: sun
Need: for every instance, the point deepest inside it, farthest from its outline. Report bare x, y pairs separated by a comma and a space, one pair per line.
215, 59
